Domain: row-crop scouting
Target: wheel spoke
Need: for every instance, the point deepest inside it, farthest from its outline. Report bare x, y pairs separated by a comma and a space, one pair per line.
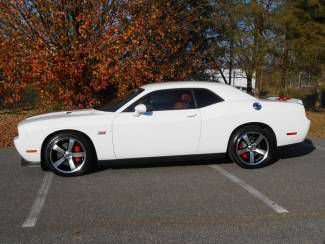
71, 164
258, 140
59, 162
252, 148
58, 149
240, 152
67, 155
248, 142
71, 142
251, 158
78, 155
260, 151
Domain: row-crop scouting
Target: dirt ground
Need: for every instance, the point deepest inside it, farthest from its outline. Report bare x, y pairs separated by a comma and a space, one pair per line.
8, 124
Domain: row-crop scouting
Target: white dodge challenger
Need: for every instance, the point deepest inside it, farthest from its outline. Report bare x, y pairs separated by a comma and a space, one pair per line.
165, 119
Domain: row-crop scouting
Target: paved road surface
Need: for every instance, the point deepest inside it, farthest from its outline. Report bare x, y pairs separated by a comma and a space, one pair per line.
193, 202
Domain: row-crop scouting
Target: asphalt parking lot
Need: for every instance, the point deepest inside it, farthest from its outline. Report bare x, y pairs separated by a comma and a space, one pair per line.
192, 202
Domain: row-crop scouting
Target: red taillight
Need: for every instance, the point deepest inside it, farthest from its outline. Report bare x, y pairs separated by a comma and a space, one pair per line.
283, 98
292, 133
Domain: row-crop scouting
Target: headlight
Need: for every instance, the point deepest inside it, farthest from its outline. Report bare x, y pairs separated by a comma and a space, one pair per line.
18, 129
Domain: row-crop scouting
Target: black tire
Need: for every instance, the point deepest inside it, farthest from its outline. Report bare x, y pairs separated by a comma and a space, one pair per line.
65, 154
247, 145
45, 166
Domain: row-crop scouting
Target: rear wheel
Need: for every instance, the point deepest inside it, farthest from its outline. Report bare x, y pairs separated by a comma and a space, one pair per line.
252, 147
69, 154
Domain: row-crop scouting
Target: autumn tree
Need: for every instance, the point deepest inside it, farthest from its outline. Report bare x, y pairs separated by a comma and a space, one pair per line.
255, 40
243, 32
79, 53
73, 52
223, 35
301, 41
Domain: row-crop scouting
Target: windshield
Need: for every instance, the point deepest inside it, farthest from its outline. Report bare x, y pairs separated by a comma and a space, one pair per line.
118, 102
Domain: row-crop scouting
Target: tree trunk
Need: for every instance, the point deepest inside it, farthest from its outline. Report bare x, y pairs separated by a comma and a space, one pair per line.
259, 52
318, 102
231, 57
258, 81
249, 88
283, 85
223, 76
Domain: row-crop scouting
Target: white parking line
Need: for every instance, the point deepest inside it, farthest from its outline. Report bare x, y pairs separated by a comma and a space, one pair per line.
39, 201
276, 207
319, 147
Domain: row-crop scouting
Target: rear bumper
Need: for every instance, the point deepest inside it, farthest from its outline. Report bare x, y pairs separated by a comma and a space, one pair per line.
301, 129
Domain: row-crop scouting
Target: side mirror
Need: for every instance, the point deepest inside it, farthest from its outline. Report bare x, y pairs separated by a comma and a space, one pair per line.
140, 109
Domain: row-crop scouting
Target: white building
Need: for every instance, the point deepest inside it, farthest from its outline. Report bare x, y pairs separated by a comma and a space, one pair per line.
238, 78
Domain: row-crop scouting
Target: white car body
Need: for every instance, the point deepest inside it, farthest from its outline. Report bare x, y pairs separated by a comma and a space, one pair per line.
121, 135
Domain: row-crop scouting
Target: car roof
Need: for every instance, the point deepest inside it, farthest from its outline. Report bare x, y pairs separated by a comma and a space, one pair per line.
182, 84
225, 91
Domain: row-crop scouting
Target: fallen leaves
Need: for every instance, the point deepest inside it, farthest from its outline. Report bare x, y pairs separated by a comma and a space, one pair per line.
8, 125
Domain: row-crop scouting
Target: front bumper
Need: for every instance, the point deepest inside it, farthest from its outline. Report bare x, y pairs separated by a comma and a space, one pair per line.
25, 163
22, 146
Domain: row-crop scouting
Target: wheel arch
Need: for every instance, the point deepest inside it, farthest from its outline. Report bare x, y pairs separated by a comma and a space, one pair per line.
259, 124
45, 141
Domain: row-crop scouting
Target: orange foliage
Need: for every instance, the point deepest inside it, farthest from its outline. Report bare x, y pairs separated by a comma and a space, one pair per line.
72, 52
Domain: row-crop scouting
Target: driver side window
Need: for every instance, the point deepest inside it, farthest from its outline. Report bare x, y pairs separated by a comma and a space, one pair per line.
170, 99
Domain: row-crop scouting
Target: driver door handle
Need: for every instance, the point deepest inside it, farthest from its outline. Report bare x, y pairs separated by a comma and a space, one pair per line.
191, 115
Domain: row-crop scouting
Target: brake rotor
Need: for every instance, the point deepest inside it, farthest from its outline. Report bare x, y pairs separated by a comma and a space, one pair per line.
245, 154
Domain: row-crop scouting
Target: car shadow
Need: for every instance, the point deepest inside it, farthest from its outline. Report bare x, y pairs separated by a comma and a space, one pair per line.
296, 150
162, 162
284, 152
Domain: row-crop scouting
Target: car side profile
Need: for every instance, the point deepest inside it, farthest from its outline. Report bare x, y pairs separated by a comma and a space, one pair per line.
164, 119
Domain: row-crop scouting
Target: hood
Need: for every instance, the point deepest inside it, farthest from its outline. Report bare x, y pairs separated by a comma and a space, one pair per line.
62, 115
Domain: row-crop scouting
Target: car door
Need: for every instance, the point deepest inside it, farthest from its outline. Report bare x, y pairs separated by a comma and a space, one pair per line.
171, 126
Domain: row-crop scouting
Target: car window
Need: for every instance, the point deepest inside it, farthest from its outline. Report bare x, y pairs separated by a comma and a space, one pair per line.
170, 99
205, 97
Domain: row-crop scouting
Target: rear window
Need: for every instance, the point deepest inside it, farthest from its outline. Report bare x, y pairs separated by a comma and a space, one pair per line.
205, 97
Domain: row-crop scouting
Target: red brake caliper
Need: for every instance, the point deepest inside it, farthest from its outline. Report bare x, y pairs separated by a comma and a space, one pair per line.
245, 154
77, 148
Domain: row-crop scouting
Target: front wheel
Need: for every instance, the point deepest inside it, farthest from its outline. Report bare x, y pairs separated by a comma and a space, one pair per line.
69, 154
252, 147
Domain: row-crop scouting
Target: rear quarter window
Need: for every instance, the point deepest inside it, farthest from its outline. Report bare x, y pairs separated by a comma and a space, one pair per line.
205, 97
